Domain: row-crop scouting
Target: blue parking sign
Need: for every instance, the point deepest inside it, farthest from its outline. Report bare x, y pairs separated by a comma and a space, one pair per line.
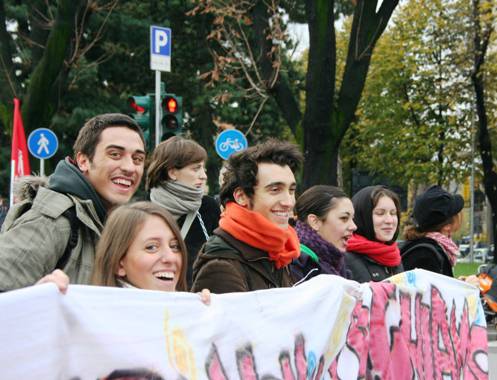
160, 48
42, 143
229, 142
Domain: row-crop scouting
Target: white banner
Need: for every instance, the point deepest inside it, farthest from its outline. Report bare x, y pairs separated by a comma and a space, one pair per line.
420, 325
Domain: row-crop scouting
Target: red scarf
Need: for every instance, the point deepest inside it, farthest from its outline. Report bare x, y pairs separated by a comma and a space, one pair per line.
388, 255
252, 228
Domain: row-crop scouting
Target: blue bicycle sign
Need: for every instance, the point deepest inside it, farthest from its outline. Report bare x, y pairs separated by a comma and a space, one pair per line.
229, 142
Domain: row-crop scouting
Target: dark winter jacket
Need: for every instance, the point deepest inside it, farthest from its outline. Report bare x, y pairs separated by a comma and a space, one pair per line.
227, 265
364, 269
425, 253
210, 213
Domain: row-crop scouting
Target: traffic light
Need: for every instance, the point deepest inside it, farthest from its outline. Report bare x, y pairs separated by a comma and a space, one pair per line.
143, 114
172, 115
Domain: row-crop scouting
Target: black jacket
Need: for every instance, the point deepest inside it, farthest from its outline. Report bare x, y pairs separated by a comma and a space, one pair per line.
364, 269
425, 253
210, 213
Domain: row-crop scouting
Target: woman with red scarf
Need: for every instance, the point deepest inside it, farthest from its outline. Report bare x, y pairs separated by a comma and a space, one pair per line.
372, 253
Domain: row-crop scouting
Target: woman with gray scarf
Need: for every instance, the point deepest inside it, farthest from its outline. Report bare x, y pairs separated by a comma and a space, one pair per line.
176, 179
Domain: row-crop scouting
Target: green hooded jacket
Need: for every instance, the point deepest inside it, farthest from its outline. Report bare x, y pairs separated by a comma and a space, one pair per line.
31, 244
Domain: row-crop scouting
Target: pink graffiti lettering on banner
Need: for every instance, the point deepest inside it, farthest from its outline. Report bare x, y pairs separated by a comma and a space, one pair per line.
410, 329
424, 345
286, 366
358, 338
422, 342
444, 357
477, 355
214, 367
300, 358
380, 351
247, 368
246, 363
320, 369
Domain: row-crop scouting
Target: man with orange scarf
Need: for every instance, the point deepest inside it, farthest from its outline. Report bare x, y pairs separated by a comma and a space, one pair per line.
254, 243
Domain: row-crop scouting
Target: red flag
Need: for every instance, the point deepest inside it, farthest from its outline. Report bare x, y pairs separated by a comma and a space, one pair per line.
19, 159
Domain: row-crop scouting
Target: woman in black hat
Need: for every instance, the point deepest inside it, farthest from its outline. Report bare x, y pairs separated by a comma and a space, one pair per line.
372, 253
436, 216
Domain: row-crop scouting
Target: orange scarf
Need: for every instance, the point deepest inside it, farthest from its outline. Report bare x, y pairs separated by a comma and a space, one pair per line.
252, 228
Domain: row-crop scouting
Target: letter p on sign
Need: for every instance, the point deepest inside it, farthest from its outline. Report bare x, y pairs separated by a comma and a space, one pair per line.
160, 48
160, 40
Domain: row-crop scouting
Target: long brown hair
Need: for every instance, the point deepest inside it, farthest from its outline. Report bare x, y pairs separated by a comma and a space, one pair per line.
120, 230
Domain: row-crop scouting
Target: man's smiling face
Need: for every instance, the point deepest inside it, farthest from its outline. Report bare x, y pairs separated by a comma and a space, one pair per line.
274, 193
116, 169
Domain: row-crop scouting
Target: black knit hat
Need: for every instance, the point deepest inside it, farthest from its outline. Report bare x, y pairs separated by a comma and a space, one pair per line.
434, 207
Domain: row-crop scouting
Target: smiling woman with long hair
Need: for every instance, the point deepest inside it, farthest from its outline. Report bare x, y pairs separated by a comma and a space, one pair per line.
372, 253
325, 223
141, 247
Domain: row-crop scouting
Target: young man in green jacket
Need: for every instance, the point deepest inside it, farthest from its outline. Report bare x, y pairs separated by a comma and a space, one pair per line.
107, 168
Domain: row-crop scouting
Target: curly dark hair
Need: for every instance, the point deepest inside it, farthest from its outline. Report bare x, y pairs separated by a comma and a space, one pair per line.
242, 166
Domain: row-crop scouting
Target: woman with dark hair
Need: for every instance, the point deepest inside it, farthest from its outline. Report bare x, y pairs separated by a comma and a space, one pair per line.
325, 223
176, 179
436, 216
372, 253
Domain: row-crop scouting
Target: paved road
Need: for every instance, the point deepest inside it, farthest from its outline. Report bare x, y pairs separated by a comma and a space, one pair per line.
492, 353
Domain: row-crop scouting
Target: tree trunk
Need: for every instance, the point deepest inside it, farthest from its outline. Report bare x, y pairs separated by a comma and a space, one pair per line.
485, 145
481, 41
39, 106
320, 148
325, 125
280, 90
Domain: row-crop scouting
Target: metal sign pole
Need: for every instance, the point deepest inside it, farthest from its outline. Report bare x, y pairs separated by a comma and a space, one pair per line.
472, 193
157, 107
42, 167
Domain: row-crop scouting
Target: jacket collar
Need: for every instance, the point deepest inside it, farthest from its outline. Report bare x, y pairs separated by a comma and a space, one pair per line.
251, 255
247, 252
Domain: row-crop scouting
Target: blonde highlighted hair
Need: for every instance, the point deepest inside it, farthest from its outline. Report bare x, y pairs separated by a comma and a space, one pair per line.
120, 230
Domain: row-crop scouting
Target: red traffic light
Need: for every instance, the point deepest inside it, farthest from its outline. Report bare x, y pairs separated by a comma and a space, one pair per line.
171, 105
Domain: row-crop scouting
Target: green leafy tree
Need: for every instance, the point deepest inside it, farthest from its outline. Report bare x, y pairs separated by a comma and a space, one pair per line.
248, 39
414, 119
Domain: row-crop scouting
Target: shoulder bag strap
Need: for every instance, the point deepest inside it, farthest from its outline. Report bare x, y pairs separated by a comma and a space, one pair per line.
187, 224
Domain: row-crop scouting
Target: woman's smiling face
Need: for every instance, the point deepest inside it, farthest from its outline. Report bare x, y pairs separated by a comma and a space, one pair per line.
385, 219
153, 261
338, 225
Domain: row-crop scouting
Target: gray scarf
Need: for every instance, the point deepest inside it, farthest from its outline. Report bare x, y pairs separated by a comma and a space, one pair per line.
177, 198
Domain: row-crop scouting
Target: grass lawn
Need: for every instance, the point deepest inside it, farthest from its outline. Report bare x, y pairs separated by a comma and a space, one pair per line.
465, 269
